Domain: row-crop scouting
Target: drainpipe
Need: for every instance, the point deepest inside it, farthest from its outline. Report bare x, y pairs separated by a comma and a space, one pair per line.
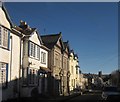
20, 69
11, 57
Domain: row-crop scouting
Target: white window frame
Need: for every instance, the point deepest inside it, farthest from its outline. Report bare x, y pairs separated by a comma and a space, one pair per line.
38, 52
3, 74
43, 57
4, 37
31, 49
34, 50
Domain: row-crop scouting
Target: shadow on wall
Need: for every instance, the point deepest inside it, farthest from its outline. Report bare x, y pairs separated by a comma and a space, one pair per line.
32, 87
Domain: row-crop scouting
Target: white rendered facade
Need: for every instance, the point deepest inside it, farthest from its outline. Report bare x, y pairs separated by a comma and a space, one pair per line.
74, 72
9, 59
35, 59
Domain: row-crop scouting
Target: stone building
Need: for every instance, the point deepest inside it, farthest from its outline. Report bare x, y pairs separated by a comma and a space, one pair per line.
32, 64
58, 62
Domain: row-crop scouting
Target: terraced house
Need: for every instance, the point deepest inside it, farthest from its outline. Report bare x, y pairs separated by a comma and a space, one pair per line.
10, 61
23, 60
32, 64
58, 62
74, 71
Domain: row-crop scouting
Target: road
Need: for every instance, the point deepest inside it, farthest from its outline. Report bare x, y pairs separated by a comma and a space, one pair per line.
86, 97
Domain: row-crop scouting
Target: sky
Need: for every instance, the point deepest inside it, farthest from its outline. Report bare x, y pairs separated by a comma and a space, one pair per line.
90, 27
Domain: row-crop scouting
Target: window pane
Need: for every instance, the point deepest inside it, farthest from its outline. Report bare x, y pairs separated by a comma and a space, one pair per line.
34, 50
5, 38
43, 57
31, 50
3, 74
38, 52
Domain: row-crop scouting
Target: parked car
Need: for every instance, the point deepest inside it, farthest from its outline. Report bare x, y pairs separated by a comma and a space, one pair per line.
110, 92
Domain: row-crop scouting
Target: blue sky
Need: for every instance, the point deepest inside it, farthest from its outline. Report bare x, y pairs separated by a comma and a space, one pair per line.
90, 27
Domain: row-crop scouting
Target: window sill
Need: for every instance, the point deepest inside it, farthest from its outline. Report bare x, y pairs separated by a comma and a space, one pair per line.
4, 48
43, 63
34, 58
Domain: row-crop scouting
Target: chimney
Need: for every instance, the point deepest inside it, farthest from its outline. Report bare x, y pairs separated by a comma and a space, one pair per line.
23, 25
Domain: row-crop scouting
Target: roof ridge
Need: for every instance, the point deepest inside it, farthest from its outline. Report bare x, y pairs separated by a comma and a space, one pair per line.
58, 34
49, 35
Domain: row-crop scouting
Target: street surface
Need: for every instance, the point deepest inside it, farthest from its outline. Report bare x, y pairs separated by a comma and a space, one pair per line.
86, 97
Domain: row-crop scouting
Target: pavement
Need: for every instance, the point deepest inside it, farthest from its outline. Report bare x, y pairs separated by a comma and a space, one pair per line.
44, 99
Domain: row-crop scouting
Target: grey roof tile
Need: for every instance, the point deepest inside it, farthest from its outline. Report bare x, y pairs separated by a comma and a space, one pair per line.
50, 40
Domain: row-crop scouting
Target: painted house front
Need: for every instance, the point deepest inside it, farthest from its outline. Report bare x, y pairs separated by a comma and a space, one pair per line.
9, 59
74, 71
34, 62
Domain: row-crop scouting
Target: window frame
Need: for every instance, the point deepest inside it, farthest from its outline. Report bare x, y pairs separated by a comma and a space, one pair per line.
4, 37
38, 52
43, 57
33, 50
3, 84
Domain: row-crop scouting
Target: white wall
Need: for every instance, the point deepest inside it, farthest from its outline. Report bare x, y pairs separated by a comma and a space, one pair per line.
4, 55
34, 38
46, 64
37, 63
11, 57
3, 19
14, 65
73, 62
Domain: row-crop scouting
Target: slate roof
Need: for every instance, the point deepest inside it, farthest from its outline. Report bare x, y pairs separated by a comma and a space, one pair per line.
28, 31
50, 40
